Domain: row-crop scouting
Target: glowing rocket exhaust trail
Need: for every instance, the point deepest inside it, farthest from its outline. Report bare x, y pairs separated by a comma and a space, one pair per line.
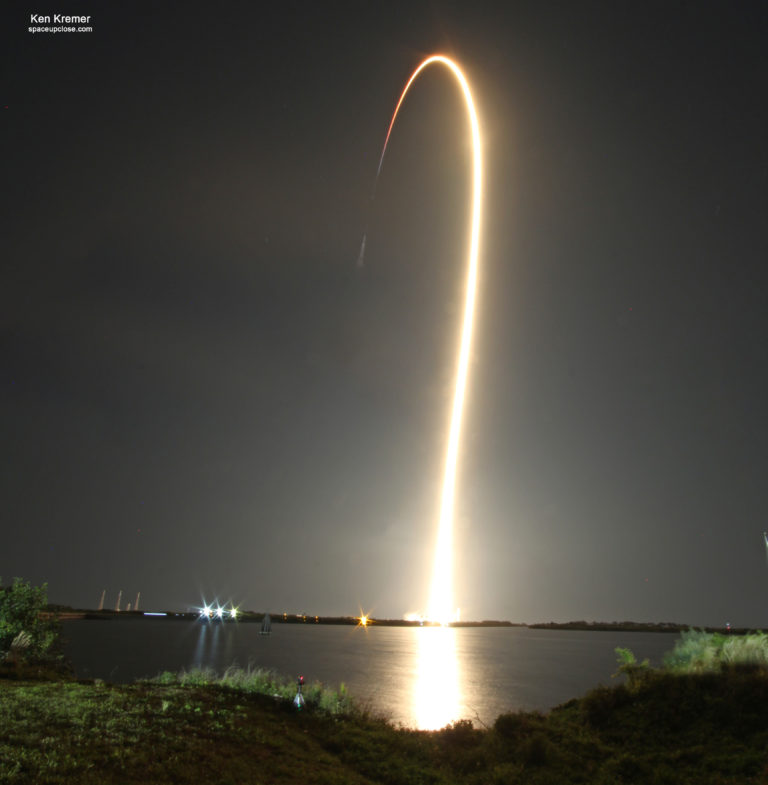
441, 592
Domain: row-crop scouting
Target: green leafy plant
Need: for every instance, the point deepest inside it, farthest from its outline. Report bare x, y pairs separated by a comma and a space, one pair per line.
636, 672
27, 631
698, 651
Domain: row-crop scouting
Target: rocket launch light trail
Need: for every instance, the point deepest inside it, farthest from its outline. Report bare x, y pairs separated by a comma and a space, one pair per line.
440, 607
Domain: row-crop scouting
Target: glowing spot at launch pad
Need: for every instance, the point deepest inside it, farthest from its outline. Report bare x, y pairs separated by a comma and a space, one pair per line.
441, 607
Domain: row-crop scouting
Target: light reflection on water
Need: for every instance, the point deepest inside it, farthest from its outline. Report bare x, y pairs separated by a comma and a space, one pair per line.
436, 688
421, 677
207, 643
215, 643
432, 674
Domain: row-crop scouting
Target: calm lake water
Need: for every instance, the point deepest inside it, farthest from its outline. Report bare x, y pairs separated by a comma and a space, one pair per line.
422, 677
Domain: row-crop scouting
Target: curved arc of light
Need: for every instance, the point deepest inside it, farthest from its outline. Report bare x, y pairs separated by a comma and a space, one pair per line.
441, 593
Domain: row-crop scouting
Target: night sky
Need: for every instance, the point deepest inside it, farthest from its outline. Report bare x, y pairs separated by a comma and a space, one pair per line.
204, 395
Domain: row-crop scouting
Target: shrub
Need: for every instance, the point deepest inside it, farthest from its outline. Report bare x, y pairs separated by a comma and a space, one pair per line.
636, 672
27, 632
460, 734
749, 650
512, 725
699, 652
600, 704
695, 652
536, 750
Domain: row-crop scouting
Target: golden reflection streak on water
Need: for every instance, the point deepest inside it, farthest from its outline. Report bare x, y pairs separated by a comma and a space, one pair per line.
436, 693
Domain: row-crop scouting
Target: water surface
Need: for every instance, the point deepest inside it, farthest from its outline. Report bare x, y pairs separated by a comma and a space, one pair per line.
419, 676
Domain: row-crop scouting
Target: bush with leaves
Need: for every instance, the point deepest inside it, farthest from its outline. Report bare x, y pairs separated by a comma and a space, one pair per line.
698, 651
636, 672
27, 632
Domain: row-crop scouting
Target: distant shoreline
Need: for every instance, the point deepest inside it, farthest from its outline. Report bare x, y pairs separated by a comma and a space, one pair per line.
71, 614
253, 617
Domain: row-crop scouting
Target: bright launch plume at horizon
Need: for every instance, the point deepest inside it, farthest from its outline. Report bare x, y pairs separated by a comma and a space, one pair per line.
441, 598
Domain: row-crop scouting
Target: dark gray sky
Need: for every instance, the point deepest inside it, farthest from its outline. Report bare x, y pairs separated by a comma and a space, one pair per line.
203, 395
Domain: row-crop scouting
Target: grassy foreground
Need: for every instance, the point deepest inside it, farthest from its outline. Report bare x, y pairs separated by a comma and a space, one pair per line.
658, 728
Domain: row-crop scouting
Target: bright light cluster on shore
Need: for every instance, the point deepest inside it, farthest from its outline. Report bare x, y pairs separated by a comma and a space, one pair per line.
218, 613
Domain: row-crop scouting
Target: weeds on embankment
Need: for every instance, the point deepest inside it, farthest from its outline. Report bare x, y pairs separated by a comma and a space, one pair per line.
260, 681
702, 652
